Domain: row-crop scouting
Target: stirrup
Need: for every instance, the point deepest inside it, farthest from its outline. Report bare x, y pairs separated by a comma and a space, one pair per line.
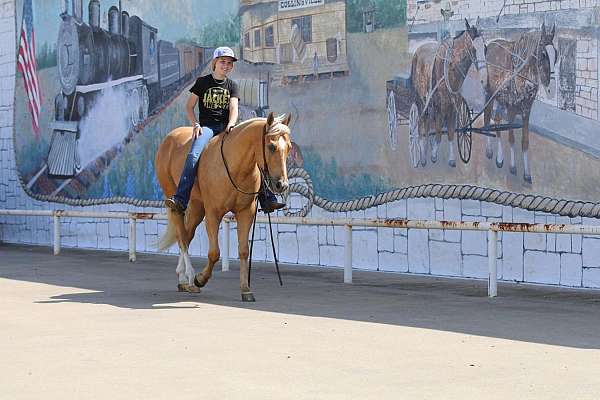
271, 206
175, 205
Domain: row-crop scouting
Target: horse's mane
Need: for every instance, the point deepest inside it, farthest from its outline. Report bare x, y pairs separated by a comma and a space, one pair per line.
277, 127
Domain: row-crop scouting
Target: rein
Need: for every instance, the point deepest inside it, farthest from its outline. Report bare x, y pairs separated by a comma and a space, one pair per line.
263, 174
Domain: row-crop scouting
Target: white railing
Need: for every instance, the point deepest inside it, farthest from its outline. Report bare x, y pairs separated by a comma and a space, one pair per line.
492, 228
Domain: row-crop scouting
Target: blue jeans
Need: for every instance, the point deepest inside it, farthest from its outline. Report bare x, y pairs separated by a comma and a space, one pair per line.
188, 176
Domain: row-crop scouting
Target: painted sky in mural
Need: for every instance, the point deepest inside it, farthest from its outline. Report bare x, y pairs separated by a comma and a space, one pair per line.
384, 94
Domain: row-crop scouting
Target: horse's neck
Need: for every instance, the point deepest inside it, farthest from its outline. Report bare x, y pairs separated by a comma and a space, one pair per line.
244, 143
460, 60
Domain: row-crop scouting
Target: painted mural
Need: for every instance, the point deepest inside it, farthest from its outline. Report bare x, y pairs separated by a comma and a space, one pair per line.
385, 94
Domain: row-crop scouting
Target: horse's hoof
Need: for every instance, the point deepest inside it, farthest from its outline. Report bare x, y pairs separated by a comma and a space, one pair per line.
489, 153
184, 287
199, 283
499, 164
513, 170
433, 159
423, 162
452, 163
527, 179
248, 297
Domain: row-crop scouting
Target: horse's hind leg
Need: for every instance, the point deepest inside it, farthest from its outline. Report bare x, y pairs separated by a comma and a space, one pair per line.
423, 138
487, 116
244, 223
451, 121
184, 269
212, 230
437, 138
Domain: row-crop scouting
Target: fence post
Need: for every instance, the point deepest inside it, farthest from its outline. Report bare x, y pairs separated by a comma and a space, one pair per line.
492, 263
348, 254
226, 232
56, 233
132, 239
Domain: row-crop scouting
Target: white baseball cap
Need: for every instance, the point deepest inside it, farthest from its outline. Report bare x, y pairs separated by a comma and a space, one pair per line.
224, 52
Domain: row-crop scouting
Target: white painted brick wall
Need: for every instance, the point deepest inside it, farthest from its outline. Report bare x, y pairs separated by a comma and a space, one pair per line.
568, 260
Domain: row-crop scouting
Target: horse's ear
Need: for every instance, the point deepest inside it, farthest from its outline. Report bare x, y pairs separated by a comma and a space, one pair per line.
477, 23
467, 24
553, 31
544, 28
270, 119
287, 119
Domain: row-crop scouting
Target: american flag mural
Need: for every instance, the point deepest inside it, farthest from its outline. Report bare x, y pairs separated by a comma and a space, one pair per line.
27, 65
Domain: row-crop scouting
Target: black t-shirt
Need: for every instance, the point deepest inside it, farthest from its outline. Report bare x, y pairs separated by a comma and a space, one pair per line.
213, 102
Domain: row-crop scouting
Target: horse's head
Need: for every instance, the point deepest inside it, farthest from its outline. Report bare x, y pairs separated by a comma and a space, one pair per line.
546, 57
276, 146
477, 49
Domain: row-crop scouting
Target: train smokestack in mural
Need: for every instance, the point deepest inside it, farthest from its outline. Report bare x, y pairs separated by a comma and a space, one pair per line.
94, 13
78, 9
113, 20
125, 23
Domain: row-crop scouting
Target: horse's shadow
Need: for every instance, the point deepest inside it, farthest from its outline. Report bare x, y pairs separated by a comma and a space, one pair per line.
538, 315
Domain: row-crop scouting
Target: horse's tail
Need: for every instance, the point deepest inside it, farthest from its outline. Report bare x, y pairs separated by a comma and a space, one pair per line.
169, 238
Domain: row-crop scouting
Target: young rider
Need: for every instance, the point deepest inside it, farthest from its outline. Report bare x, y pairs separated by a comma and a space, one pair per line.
217, 98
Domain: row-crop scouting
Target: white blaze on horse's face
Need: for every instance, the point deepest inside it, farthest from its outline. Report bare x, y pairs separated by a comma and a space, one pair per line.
277, 147
481, 65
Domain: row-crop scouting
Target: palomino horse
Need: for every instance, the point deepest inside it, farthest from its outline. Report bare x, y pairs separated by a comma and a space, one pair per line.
229, 175
515, 72
438, 72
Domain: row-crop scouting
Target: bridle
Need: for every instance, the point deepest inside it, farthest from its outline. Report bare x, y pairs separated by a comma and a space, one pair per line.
264, 172
479, 65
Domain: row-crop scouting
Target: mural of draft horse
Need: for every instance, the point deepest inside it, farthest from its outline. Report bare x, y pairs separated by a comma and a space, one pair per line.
515, 71
438, 72
229, 175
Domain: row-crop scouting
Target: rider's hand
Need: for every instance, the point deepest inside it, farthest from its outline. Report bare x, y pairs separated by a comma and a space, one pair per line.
229, 128
197, 131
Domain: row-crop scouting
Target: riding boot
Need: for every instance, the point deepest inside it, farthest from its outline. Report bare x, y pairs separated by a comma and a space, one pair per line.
268, 201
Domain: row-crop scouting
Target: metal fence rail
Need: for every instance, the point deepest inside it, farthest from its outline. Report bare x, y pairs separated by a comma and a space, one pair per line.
492, 228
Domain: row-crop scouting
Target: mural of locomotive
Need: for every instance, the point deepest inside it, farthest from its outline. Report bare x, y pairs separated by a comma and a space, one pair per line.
128, 56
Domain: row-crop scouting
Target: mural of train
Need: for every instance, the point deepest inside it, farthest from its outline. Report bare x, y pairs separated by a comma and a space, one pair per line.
129, 56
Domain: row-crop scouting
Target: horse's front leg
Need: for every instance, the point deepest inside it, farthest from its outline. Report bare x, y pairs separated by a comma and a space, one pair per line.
487, 117
437, 138
212, 230
423, 138
451, 129
511, 140
244, 223
500, 152
525, 147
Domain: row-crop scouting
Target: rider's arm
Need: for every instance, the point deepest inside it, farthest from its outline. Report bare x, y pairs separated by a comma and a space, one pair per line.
190, 106
233, 112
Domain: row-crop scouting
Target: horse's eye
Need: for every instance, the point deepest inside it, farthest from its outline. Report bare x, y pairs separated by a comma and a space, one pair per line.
272, 148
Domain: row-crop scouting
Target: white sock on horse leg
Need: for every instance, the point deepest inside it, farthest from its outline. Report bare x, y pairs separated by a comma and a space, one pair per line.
451, 156
500, 155
180, 270
189, 269
512, 157
526, 163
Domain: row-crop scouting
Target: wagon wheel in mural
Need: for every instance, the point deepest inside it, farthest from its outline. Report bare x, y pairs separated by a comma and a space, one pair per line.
413, 135
134, 106
392, 121
463, 131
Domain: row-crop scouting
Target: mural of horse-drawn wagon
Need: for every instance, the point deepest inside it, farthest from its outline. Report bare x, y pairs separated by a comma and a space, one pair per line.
429, 100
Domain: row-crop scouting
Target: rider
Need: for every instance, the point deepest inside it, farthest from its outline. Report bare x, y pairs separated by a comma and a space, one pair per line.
217, 112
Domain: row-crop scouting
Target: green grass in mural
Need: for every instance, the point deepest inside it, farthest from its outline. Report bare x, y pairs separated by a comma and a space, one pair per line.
329, 183
388, 13
222, 32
